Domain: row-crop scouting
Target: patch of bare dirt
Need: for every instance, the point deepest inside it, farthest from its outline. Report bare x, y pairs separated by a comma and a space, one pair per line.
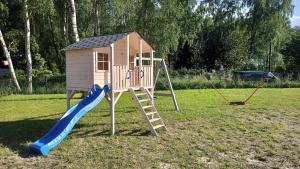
19, 162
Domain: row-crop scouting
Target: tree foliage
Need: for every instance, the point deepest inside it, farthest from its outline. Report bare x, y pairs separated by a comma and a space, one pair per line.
291, 50
211, 34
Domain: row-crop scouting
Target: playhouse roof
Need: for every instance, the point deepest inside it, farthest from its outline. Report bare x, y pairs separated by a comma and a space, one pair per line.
98, 41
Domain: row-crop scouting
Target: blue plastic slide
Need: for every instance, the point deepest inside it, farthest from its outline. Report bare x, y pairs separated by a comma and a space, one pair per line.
65, 124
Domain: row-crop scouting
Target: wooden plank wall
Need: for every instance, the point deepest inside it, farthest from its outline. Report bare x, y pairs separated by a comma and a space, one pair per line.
148, 76
101, 77
79, 72
82, 72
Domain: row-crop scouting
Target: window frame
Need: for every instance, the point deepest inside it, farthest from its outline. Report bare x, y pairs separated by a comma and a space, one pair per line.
102, 61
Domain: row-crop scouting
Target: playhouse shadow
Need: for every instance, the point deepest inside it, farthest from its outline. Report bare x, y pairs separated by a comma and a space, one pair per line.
135, 132
45, 116
92, 132
17, 135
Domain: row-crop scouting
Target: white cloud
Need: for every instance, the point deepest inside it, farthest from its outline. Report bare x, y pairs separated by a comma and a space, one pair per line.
295, 21
295, 17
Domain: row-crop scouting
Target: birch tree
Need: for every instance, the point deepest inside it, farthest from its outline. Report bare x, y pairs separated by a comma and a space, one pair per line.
27, 47
10, 64
97, 18
72, 16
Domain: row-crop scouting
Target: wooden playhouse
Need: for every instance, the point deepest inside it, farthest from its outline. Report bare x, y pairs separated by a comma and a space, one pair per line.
123, 61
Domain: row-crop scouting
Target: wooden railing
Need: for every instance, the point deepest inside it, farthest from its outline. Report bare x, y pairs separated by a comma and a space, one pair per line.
120, 80
134, 79
147, 78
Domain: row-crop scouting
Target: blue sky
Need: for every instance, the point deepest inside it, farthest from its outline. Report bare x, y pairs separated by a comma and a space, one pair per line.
295, 20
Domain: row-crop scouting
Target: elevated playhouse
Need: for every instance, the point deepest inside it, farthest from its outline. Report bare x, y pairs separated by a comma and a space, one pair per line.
118, 63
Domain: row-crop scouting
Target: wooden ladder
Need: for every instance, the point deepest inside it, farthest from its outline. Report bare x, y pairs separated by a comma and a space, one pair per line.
148, 110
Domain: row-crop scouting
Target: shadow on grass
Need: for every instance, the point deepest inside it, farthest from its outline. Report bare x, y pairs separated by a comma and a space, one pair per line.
135, 132
45, 116
16, 135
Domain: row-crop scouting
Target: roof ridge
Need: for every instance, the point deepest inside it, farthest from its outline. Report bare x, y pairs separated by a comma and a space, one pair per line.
111, 34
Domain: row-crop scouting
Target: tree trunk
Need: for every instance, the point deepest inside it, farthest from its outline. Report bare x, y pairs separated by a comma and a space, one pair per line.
66, 25
72, 15
270, 55
97, 19
10, 64
27, 47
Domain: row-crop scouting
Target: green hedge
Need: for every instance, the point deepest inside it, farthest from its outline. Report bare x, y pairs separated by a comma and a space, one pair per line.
41, 85
181, 83
184, 79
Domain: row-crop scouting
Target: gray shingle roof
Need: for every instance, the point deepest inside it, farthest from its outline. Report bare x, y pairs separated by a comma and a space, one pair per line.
96, 42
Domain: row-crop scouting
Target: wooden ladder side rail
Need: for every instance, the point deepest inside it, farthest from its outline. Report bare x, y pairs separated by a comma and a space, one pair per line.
153, 108
150, 126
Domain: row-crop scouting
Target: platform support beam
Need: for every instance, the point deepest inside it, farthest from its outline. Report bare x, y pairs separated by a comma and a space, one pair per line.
170, 85
172, 94
152, 74
112, 94
70, 94
141, 61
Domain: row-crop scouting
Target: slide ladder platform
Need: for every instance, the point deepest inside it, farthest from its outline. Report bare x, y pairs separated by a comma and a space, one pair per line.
148, 110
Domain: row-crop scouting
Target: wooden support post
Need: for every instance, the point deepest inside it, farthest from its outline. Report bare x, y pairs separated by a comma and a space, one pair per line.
127, 50
170, 85
151, 74
107, 97
112, 95
141, 61
70, 94
118, 97
112, 99
127, 61
156, 77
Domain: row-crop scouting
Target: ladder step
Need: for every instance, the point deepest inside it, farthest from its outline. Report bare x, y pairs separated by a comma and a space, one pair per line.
141, 94
158, 126
146, 107
151, 113
154, 119
144, 100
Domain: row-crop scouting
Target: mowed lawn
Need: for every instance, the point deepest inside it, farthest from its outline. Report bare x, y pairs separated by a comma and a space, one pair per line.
206, 133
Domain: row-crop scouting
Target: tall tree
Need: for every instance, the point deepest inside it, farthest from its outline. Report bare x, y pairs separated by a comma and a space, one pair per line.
267, 23
27, 47
10, 64
291, 51
97, 18
72, 15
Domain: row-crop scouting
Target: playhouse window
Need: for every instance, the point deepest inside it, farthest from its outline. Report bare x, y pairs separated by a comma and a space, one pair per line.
102, 61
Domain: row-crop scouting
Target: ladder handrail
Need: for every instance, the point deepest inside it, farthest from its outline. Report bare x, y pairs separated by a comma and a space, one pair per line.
154, 117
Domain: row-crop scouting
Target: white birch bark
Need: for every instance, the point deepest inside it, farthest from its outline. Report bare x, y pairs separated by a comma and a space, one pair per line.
72, 13
10, 64
27, 47
97, 18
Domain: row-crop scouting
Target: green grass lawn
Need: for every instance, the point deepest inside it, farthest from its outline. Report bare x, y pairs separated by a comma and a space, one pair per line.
205, 133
